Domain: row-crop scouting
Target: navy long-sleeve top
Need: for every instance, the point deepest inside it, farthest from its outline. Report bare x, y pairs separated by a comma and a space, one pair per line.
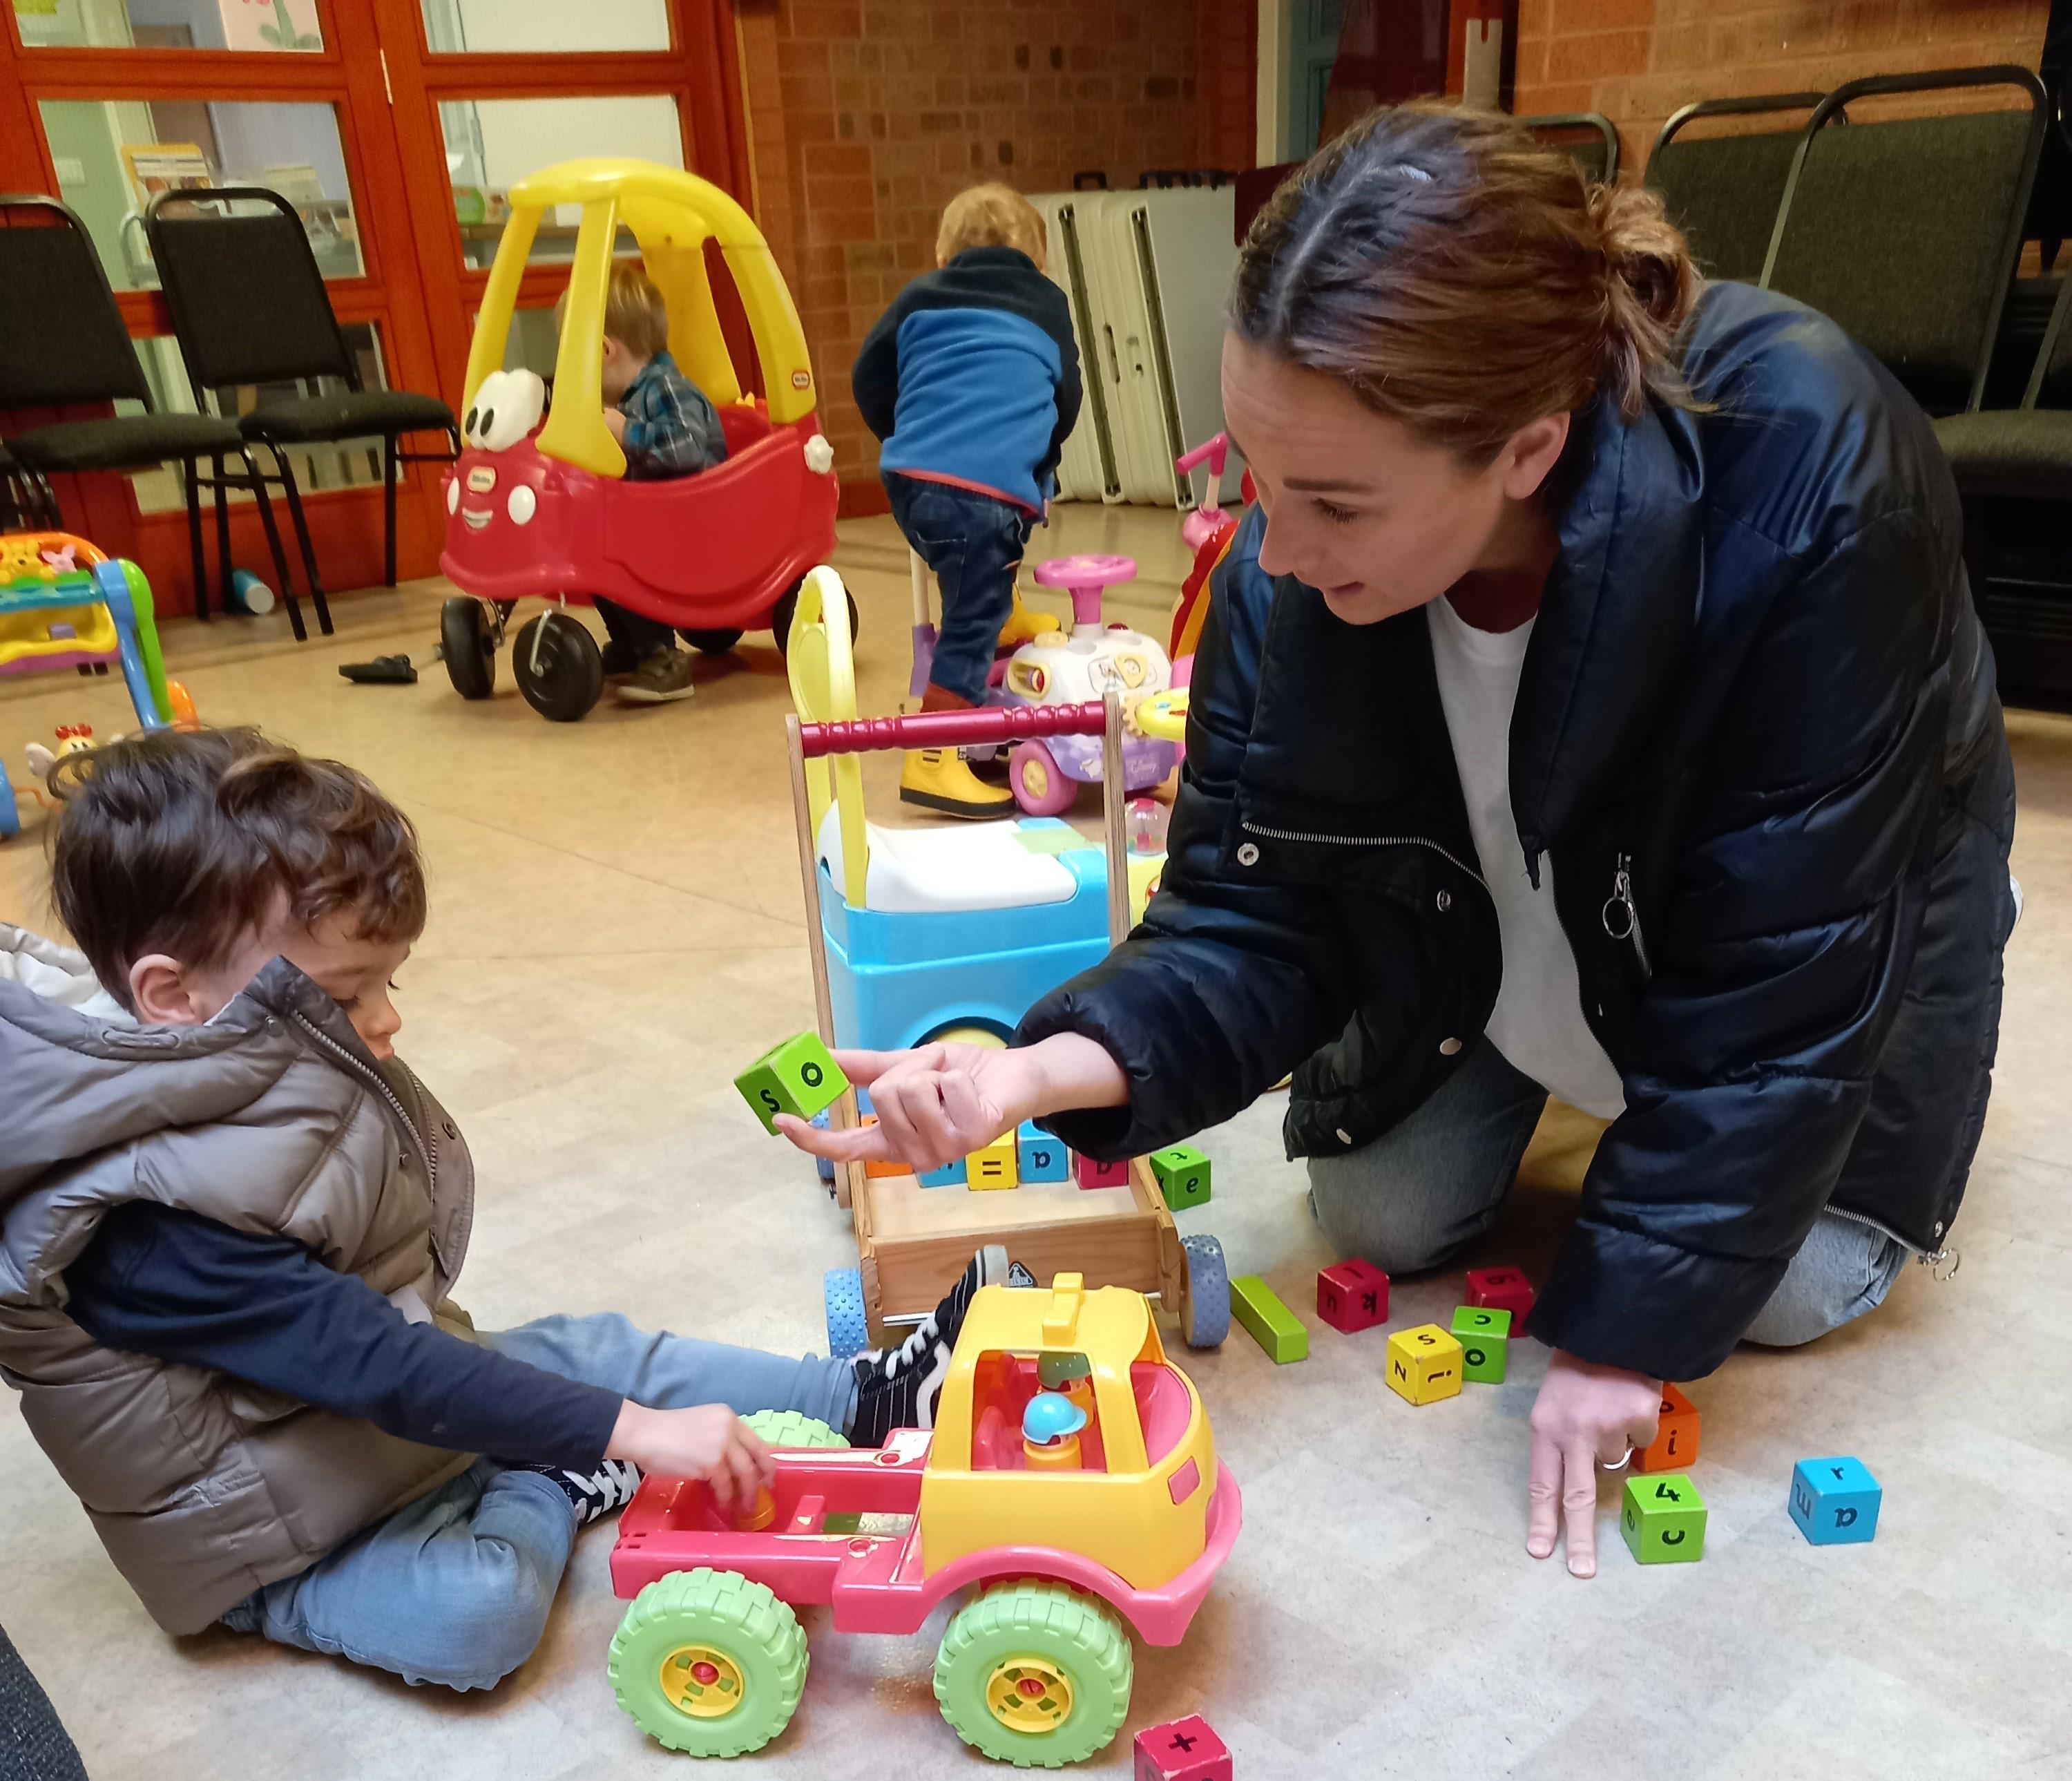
160, 1281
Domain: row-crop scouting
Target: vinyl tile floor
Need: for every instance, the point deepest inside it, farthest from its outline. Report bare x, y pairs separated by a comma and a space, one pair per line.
617, 928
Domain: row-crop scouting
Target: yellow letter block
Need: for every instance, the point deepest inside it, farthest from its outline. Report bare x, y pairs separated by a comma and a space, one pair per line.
994, 1166
1423, 1364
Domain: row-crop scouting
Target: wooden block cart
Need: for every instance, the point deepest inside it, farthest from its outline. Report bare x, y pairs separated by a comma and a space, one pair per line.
912, 1241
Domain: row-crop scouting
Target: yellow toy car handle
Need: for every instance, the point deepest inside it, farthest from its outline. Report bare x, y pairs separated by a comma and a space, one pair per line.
1162, 716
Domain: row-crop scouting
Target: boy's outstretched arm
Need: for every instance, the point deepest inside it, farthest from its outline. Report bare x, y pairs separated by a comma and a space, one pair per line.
181, 1288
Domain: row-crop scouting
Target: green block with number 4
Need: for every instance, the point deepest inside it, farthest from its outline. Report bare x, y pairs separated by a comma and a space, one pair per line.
1663, 1519
795, 1077
1483, 1332
1183, 1175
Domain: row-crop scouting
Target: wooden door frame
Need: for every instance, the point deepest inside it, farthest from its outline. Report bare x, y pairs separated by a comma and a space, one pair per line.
375, 66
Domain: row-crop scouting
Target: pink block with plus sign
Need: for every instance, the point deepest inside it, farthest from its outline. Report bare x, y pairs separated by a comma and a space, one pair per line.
1504, 1289
1352, 1296
1183, 1750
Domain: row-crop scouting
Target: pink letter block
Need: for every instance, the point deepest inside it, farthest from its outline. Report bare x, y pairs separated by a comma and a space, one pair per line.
1506, 1289
1184, 1749
1352, 1296
1104, 1174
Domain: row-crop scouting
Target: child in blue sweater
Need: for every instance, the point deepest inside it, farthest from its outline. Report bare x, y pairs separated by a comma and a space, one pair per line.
972, 381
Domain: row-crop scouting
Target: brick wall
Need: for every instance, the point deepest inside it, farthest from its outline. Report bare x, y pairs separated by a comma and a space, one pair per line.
1639, 61
865, 117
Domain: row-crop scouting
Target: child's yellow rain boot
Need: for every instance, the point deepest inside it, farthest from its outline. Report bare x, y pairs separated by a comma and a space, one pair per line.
1024, 626
941, 779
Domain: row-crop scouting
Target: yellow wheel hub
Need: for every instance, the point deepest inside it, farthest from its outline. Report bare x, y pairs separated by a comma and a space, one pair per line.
1035, 778
702, 1682
1030, 1695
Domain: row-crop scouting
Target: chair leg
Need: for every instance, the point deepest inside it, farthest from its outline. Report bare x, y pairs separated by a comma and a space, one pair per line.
285, 581
222, 538
388, 471
191, 470
287, 475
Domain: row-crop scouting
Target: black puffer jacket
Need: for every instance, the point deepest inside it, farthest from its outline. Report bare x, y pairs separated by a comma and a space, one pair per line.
1756, 701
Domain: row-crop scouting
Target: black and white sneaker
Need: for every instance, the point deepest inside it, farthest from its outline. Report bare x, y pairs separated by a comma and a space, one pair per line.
898, 1387
602, 1492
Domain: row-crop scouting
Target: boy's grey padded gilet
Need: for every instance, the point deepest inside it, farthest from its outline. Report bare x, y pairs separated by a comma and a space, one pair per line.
273, 1118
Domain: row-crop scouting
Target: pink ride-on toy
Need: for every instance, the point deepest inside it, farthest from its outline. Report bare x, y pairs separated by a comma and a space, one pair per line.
1046, 774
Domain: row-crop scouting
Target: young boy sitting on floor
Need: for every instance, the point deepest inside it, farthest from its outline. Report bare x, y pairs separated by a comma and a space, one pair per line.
668, 427
229, 1219
972, 381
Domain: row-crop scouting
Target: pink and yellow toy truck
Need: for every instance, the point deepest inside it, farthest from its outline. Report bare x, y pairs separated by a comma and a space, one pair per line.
1059, 1543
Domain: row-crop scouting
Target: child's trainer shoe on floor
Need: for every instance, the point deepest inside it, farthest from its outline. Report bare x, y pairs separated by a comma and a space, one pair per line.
604, 1491
898, 1387
664, 675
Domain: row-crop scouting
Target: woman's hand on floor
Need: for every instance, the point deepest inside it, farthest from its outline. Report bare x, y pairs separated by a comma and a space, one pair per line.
1585, 1415
708, 1441
940, 1102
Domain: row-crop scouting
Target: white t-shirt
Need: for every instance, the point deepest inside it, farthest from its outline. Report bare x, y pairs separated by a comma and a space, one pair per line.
1538, 1024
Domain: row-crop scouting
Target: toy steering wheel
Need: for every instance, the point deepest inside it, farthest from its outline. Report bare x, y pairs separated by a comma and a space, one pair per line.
1162, 716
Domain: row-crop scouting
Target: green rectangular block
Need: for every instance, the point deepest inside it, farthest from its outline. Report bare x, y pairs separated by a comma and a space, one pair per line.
1271, 1324
1483, 1332
795, 1077
1663, 1517
1183, 1175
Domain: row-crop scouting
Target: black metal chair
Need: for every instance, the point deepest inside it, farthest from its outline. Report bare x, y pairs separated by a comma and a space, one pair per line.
1597, 153
63, 344
1724, 192
1906, 232
27, 502
250, 309
2013, 468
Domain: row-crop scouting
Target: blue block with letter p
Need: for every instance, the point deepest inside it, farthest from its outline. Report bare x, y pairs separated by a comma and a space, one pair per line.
1039, 1156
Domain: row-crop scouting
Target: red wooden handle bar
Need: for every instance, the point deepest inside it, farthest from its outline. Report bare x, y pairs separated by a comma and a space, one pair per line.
993, 723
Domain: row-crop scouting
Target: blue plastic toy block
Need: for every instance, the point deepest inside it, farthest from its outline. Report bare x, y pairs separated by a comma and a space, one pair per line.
950, 1175
1043, 1158
1835, 1501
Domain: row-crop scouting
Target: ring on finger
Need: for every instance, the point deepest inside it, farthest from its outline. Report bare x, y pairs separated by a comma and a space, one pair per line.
1620, 1463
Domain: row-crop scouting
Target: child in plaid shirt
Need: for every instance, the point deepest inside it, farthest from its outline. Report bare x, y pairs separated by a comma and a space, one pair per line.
667, 427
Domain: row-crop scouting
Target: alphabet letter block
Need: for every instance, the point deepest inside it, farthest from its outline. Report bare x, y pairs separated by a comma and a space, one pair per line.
1183, 1175
1835, 1501
1040, 1157
1423, 1364
1663, 1519
1505, 1288
1352, 1296
1484, 1335
1676, 1443
1104, 1174
993, 1166
795, 1077
1185, 1750
950, 1175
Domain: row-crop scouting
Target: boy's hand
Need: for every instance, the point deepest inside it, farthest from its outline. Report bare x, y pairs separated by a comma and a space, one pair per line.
1585, 1415
614, 423
940, 1102
709, 1442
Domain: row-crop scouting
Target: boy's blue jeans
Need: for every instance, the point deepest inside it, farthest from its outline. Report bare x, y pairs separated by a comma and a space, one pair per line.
455, 1588
974, 543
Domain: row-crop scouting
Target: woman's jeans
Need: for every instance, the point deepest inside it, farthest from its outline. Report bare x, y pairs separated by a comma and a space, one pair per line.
1423, 1192
455, 1587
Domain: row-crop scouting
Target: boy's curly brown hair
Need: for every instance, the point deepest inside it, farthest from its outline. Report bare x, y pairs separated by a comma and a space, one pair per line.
184, 842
